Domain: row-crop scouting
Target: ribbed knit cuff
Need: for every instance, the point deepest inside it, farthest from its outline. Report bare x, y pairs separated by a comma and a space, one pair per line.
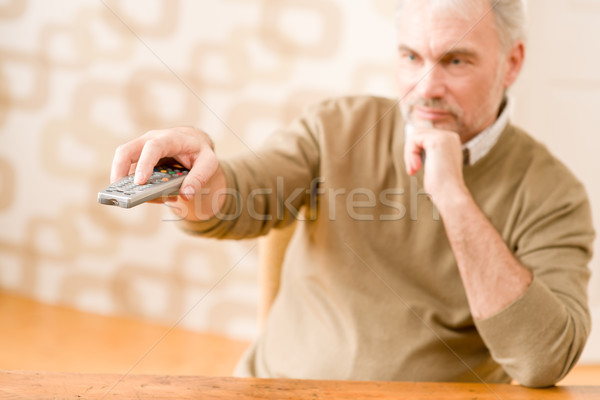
513, 330
531, 337
214, 227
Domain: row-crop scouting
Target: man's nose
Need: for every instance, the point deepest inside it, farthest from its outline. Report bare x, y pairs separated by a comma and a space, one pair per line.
432, 84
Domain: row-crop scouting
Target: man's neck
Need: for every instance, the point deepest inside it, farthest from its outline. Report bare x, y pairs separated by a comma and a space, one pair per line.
482, 143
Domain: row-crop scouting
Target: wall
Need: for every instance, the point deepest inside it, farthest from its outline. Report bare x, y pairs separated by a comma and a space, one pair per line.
77, 78
557, 99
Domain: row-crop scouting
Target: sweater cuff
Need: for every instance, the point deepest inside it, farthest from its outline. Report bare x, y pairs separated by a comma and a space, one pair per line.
526, 337
514, 329
218, 225
527, 315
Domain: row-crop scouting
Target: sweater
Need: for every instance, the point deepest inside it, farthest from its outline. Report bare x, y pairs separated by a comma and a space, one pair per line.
370, 289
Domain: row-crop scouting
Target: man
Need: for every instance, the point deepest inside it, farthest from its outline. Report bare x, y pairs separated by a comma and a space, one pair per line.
481, 279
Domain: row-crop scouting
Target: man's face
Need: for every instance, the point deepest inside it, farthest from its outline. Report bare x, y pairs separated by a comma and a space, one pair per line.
451, 71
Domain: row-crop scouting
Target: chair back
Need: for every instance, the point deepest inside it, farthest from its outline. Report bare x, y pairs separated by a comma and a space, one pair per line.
271, 252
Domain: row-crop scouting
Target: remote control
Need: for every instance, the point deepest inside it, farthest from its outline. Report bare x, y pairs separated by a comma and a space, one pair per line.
166, 179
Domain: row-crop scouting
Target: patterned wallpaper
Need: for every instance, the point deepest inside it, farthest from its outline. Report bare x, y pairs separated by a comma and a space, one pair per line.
79, 77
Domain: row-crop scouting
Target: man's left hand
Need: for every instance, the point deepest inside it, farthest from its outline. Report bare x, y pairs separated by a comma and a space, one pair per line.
444, 161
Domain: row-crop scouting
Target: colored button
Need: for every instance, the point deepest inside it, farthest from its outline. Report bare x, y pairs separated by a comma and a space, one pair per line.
165, 179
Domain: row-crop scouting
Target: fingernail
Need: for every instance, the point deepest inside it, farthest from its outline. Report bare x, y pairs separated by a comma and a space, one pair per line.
139, 178
188, 193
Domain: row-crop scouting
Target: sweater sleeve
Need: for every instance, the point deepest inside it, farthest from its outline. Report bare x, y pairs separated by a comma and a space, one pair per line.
540, 336
266, 188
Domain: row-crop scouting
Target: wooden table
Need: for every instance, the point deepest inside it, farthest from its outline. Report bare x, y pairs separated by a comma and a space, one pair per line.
38, 336
43, 337
29, 385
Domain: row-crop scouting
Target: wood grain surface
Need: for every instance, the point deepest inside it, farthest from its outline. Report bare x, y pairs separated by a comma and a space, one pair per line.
66, 386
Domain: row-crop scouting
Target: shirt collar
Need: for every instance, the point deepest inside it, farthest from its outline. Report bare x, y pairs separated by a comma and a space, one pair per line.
478, 147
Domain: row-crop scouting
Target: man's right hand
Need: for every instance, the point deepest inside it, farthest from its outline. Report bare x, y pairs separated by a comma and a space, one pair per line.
190, 147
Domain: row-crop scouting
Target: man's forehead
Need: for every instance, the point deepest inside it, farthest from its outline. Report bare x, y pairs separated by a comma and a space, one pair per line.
422, 25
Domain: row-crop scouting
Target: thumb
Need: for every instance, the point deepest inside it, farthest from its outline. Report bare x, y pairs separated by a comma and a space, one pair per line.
200, 174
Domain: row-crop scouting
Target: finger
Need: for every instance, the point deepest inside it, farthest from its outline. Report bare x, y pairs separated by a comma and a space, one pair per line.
125, 156
132, 168
413, 152
202, 171
156, 147
422, 127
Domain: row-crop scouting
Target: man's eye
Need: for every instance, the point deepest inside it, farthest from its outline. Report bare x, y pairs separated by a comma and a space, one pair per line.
456, 61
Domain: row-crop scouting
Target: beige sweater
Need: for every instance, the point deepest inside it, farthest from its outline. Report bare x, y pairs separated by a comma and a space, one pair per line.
370, 288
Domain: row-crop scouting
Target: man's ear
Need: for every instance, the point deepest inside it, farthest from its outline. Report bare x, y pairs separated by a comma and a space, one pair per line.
514, 63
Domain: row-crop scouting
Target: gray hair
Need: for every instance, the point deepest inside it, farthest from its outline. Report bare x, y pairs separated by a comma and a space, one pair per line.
509, 16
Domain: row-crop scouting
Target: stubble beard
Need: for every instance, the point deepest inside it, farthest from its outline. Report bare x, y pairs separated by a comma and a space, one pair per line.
457, 123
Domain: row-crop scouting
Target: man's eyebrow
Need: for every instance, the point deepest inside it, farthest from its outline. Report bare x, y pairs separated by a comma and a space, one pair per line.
458, 51
404, 47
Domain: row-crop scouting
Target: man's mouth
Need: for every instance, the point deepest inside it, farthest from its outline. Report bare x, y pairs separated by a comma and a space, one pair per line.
431, 114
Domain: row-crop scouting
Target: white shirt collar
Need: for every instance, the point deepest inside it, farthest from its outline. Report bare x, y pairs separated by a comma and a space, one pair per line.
482, 143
